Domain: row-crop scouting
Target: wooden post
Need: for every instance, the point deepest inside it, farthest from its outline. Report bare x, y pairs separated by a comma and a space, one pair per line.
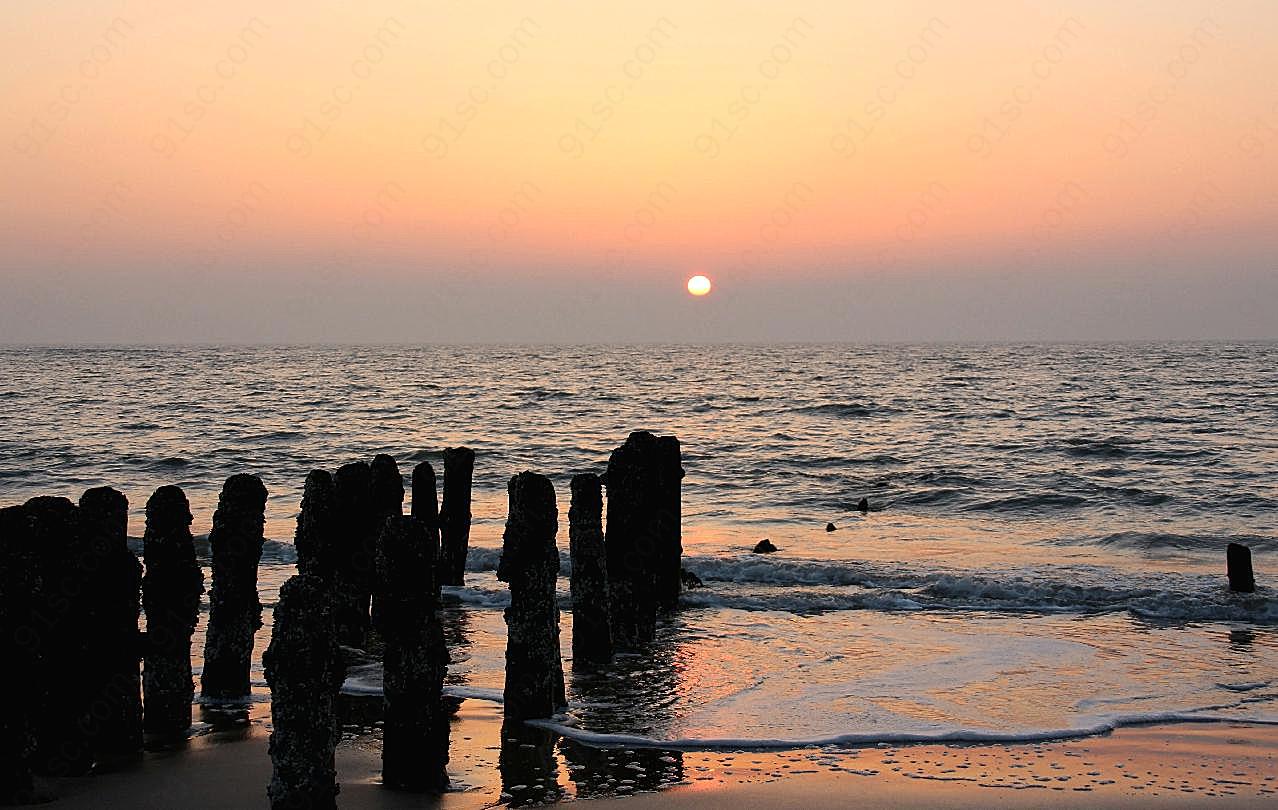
305, 671
1241, 577
171, 592
415, 661
425, 509
235, 613
386, 499
358, 537
19, 649
670, 473
115, 714
530, 564
591, 633
634, 540
318, 539
454, 514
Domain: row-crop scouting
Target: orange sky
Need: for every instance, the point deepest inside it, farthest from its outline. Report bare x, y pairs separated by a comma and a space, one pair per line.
747, 140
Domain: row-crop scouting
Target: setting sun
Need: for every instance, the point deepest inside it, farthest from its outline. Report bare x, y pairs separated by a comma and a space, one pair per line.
699, 285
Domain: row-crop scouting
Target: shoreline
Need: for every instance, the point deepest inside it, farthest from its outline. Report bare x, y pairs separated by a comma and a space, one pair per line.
1220, 764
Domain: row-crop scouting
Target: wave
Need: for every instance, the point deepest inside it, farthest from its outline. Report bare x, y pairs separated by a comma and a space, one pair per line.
846, 410
1092, 728
274, 552
1164, 541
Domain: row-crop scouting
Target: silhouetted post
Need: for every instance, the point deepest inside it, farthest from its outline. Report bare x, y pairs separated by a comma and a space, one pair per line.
171, 591
305, 671
63, 623
1241, 576
454, 514
591, 634
530, 563
634, 540
670, 516
115, 713
318, 539
19, 649
235, 613
426, 509
386, 497
354, 482
415, 739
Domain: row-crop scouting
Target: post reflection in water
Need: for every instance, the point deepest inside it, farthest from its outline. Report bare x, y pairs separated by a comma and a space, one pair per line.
528, 765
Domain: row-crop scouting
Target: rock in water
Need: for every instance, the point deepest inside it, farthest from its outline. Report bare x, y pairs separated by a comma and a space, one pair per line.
318, 539
19, 649
690, 580
530, 564
115, 724
829, 527
171, 591
358, 539
63, 623
764, 546
304, 669
863, 505
454, 514
591, 633
415, 661
235, 613
1241, 576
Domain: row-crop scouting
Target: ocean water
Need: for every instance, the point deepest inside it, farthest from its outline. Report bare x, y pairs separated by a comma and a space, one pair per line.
1044, 556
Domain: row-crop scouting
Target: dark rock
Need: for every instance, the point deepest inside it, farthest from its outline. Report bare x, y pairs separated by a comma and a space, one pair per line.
318, 539
863, 505
690, 580
20, 652
115, 645
415, 739
235, 613
304, 669
454, 514
530, 564
171, 591
591, 634
1241, 577
829, 527
764, 546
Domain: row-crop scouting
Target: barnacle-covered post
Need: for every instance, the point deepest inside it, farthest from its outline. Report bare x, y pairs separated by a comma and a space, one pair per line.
591, 634
235, 613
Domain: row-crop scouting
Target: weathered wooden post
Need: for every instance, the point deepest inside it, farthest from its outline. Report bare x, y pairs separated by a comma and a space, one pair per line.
115, 713
305, 671
359, 536
415, 739
530, 564
19, 649
454, 514
318, 539
591, 633
425, 509
386, 498
1238, 561
669, 504
634, 539
235, 613
171, 591
63, 623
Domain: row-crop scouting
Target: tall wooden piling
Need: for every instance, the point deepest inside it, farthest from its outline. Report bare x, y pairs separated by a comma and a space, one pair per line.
591, 633
425, 509
235, 613
171, 591
19, 649
359, 536
634, 539
115, 645
669, 503
386, 499
318, 539
454, 514
530, 564
305, 671
415, 739
64, 685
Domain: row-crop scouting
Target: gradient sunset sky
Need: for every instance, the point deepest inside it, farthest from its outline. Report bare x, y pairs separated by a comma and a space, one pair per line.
555, 171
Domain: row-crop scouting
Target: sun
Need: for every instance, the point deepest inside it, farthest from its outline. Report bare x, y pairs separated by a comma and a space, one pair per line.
699, 285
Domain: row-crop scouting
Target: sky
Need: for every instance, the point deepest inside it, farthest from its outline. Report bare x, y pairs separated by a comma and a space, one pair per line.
411, 172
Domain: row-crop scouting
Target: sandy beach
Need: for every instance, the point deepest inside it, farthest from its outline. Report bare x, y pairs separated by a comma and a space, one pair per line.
1185, 765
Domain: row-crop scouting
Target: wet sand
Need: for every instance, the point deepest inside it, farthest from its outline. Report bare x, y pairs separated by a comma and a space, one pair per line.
1184, 765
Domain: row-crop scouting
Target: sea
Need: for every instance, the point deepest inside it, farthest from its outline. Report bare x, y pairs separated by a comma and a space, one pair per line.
1044, 554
